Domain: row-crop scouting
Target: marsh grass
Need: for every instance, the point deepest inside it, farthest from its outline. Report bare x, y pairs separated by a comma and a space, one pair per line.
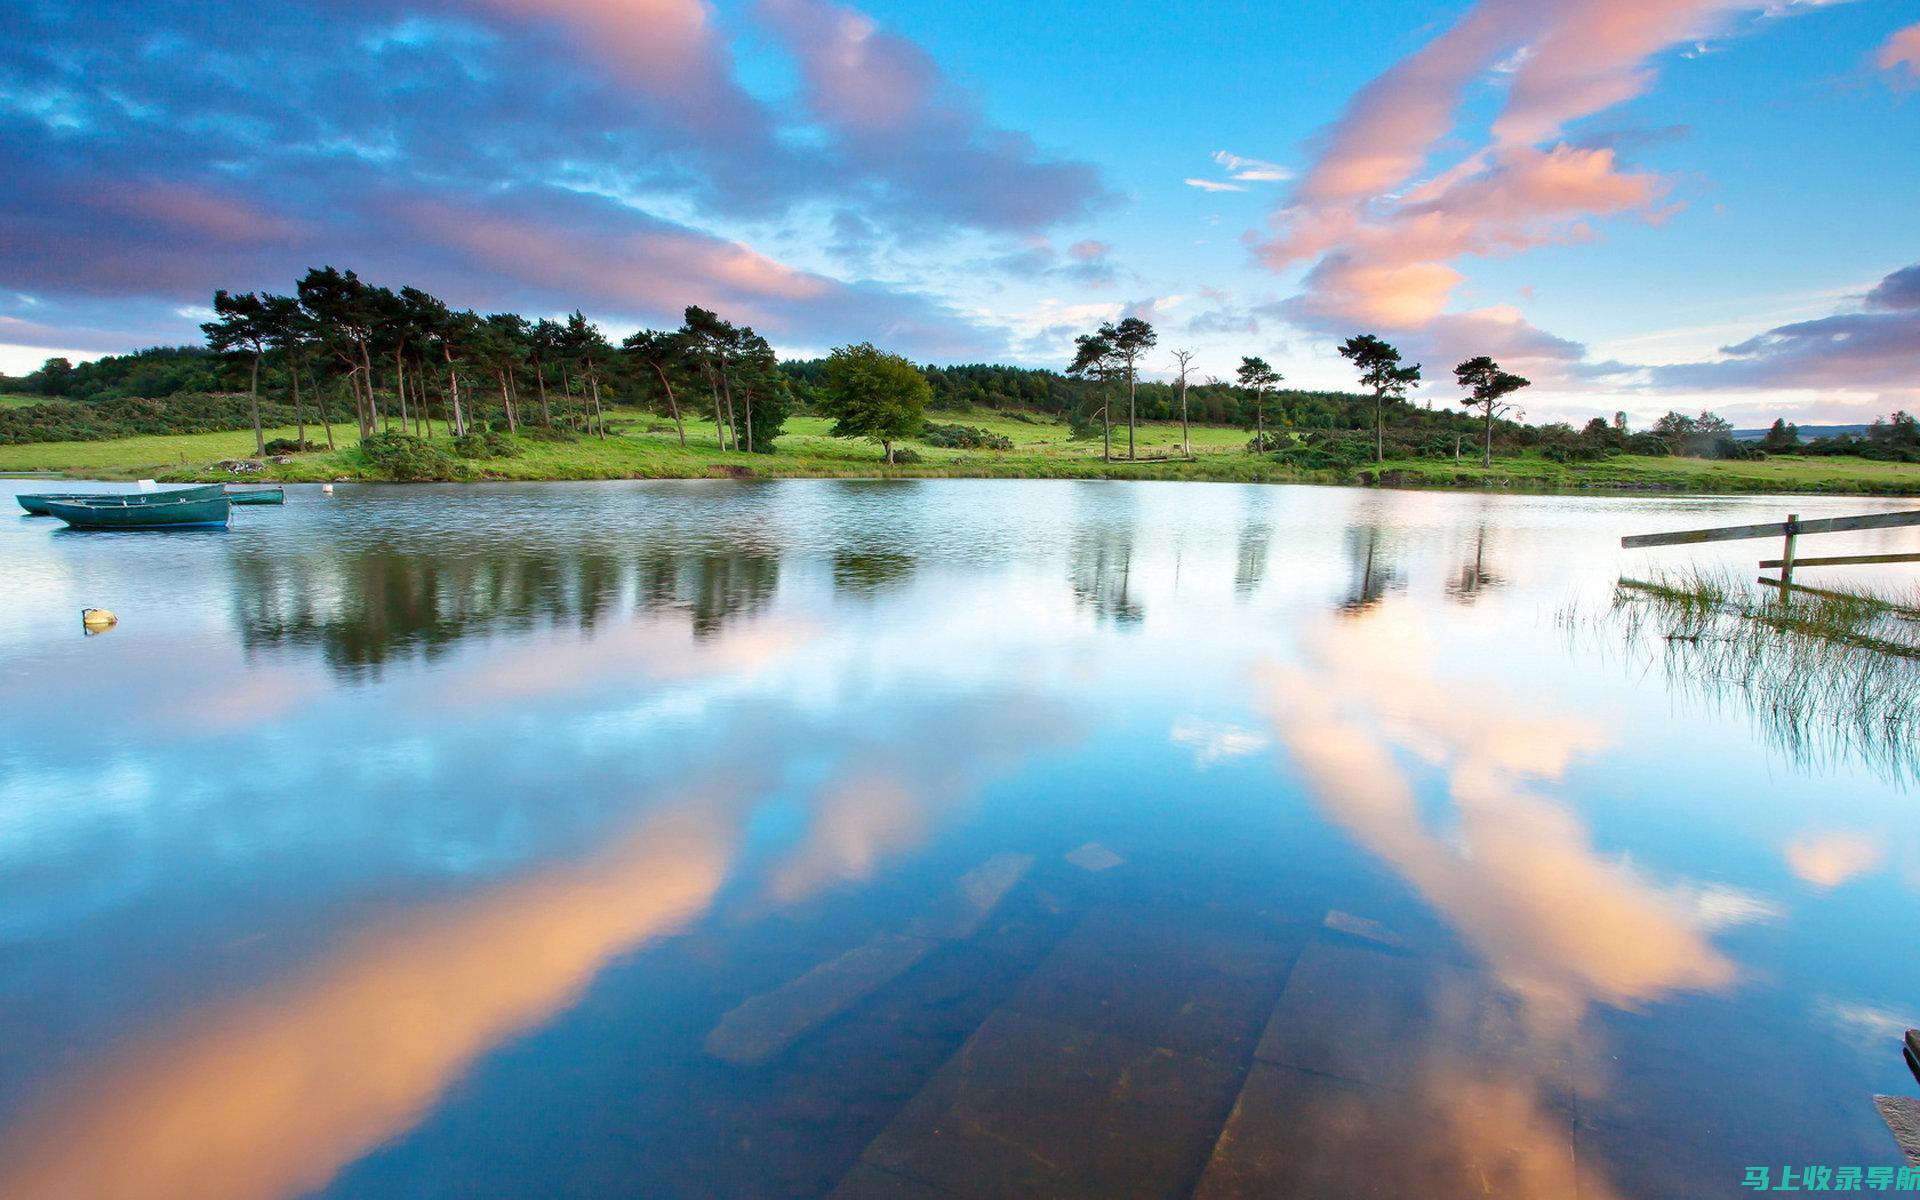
1828, 678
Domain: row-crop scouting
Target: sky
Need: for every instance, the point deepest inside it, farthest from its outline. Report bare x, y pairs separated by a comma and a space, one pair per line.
1637, 204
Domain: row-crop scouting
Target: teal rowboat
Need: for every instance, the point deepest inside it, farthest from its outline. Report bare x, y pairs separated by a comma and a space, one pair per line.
128, 512
36, 503
265, 495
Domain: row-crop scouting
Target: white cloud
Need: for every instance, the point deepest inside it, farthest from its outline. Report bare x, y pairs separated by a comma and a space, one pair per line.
1214, 185
1252, 169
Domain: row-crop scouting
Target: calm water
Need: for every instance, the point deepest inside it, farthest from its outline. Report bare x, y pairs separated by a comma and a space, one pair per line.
919, 839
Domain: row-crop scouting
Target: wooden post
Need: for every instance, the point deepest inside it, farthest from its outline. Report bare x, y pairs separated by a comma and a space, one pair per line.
1786, 557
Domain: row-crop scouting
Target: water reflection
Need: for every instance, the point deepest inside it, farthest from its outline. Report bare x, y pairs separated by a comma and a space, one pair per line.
1559, 924
1371, 567
269, 1095
1100, 565
366, 606
1475, 575
1256, 536
325, 918
865, 574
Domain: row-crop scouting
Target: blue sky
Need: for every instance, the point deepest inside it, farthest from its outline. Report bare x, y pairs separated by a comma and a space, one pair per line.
1640, 204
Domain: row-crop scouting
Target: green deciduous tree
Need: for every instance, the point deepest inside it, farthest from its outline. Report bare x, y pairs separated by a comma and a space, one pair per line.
874, 395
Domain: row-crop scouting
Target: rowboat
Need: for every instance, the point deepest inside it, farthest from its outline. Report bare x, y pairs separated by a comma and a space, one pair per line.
264, 495
130, 512
36, 503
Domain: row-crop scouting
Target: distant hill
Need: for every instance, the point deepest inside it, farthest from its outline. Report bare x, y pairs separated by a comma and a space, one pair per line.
1807, 432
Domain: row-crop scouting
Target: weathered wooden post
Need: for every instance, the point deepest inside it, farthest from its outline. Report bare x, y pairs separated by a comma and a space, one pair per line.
1786, 556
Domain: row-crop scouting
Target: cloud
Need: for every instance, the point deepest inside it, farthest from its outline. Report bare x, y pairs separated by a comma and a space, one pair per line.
235, 149
892, 114
1213, 185
1252, 169
1901, 52
1384, 231
1875, 347
669, 51
1088, 263
1899, 291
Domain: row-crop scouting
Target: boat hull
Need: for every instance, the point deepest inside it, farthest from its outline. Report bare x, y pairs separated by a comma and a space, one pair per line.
36, 502
113, 513
257, 495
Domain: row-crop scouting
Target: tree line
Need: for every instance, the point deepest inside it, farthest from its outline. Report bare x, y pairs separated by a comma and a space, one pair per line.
337, 348
404, 358
1110, 358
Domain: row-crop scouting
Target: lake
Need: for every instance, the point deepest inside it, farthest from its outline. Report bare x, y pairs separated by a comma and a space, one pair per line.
925, 838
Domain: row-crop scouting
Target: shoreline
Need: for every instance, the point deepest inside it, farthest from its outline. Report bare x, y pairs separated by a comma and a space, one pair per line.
1391, 479
641, 448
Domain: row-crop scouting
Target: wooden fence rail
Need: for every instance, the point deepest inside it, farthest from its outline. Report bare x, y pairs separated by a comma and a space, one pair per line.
1792, 525
1789, 531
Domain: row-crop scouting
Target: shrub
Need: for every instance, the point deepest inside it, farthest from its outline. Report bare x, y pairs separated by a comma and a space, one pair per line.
485, 444
1326, 449
548, 433
288, 446
404, 457
905, 454
963, 437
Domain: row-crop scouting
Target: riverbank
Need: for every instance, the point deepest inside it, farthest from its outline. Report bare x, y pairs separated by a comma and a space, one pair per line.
643, 446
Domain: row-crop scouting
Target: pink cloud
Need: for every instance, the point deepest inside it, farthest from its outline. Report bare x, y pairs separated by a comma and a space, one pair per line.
895, 117
189, 209
1384, 242
858, 76
1391, 124
1390, 267
1591, 55
668, 50
1902, 50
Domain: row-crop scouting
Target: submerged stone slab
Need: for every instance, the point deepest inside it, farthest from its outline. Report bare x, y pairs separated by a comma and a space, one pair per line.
1356, 1013
765, 1025
1297, 1136
1182, 979
1903, 1118
1095, 857
1031, 1107
868, 1182
975, 896
1361, 927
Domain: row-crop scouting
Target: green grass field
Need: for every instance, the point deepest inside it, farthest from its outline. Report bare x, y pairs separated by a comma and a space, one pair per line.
644, 446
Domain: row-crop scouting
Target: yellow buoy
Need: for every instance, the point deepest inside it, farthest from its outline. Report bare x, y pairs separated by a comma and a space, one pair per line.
97, 620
